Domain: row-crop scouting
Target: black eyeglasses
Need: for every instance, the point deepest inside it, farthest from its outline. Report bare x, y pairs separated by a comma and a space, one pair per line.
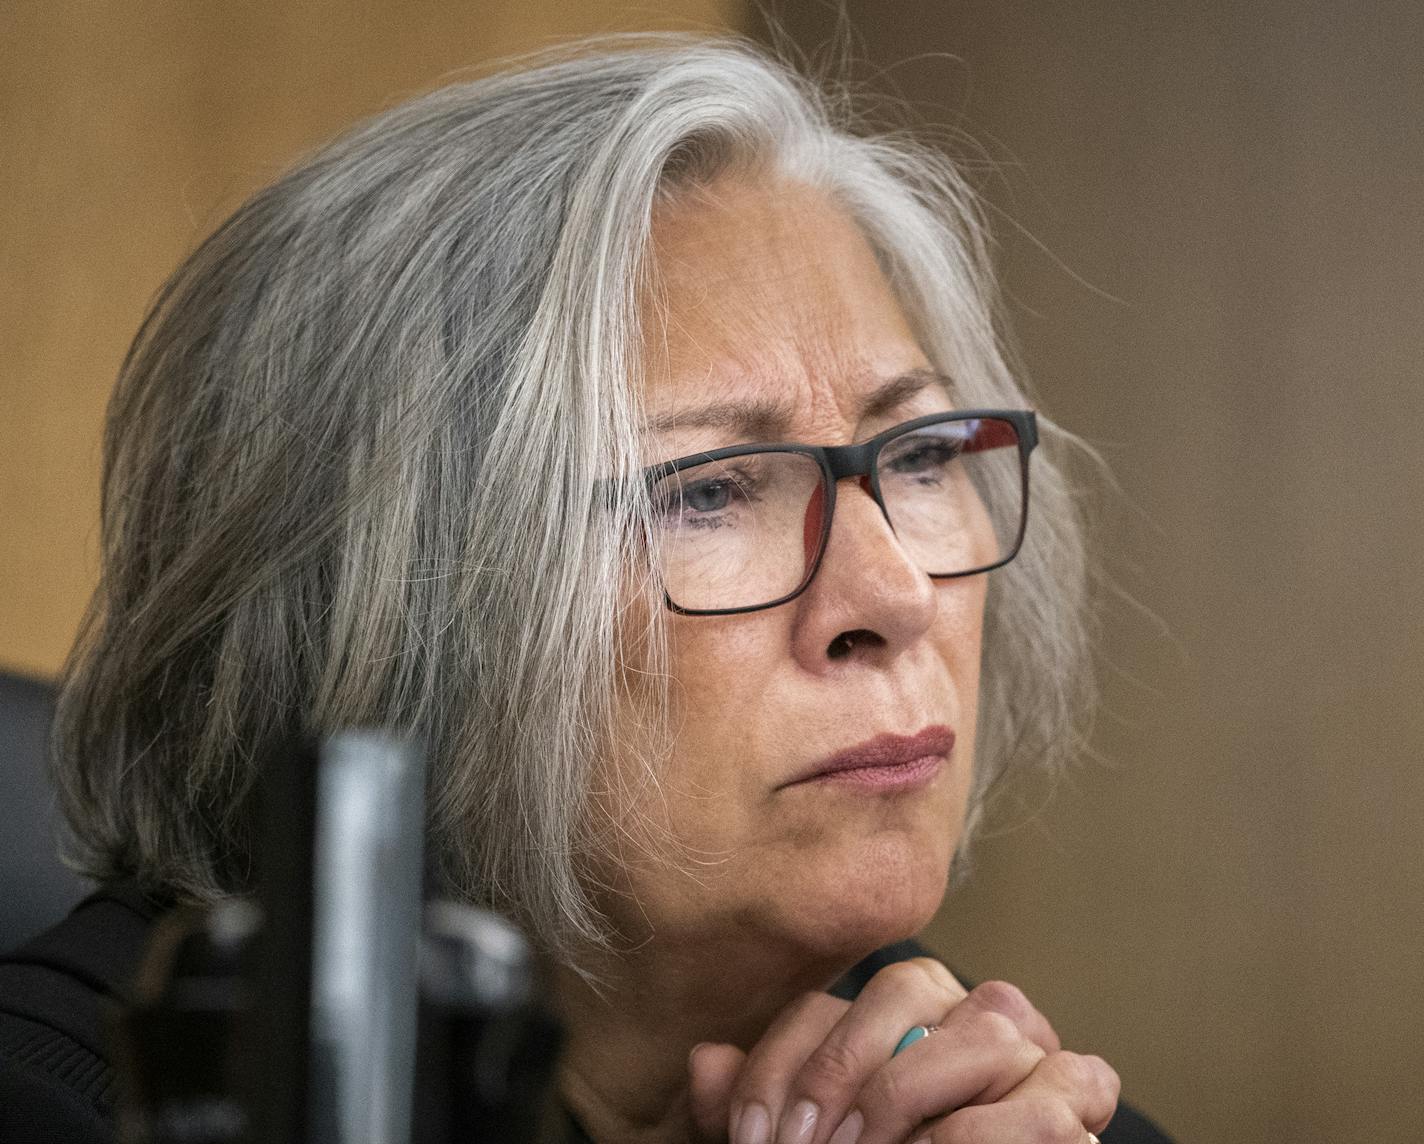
745, 527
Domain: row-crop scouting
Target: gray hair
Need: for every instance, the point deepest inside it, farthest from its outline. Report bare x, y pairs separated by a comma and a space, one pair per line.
356, 471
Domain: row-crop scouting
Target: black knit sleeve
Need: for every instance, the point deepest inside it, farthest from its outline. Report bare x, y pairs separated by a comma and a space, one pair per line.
35, 1108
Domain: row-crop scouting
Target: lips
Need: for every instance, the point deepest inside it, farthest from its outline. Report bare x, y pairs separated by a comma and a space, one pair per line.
885, 756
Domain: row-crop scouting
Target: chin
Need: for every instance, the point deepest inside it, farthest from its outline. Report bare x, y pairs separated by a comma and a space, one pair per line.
887, 891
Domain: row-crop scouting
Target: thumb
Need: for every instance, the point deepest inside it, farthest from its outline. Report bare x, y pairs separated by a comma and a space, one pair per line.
712, 1071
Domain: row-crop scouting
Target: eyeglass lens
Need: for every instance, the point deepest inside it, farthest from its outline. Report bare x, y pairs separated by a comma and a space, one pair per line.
745, 531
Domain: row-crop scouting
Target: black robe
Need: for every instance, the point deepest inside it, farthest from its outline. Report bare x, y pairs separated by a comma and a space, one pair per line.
58, 991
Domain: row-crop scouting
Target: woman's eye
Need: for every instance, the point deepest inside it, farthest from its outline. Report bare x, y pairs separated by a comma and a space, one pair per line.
923, 457
706, 502
708, 496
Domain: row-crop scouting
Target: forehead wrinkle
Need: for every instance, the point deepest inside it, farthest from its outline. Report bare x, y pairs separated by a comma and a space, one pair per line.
770, 419
759, 417
773, 323
901, 388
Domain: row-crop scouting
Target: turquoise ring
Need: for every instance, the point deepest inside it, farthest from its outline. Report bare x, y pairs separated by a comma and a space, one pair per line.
919, 1032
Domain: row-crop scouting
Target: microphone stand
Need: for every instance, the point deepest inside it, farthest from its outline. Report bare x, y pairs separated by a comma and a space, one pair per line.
326, 1013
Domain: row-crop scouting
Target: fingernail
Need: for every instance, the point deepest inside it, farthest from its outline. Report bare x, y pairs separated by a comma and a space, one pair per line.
799, 1125
754, 1127
849, 1131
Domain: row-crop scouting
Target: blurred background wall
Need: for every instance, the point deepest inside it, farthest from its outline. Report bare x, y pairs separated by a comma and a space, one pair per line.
1212, 237
1211, 219
128, 131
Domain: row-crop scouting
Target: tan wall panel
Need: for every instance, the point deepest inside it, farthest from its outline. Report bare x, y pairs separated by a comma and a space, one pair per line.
127, 132
1230, 904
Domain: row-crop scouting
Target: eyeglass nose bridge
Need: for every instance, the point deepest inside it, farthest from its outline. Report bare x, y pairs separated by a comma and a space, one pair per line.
842, 461
851, 460
839, 462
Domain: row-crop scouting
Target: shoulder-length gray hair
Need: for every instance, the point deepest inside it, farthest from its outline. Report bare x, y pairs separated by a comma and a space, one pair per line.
356, 468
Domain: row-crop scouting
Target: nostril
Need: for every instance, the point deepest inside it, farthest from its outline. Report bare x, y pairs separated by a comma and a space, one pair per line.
846, 642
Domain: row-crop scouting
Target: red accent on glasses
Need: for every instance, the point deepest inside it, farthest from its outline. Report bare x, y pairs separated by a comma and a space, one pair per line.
811, 525
992, 434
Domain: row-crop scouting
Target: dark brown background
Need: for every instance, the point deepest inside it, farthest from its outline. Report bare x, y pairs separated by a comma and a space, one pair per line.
1213, 240
1212, 224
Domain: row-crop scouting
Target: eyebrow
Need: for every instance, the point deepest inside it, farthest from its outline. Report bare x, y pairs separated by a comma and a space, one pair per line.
765, 419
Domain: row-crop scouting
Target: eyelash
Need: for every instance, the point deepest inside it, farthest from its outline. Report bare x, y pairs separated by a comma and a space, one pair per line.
746, 492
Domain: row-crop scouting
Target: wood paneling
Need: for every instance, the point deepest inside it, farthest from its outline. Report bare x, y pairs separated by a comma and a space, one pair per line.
127, 132
1229, 904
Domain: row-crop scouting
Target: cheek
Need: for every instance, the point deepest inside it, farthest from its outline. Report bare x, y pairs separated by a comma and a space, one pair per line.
714, 673
958, 632
957, 639
738, 706
717, 666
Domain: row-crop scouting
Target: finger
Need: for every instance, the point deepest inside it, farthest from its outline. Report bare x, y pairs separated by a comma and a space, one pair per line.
712, 1072
864, 1040
976, 1056
919, 991
1037, 1120
1001, 997
760, 1090
1087, 1085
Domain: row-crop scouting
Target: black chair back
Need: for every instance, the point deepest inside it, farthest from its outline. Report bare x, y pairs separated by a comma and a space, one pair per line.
35, 888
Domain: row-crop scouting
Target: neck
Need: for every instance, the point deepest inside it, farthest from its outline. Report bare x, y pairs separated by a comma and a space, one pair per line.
624, 1072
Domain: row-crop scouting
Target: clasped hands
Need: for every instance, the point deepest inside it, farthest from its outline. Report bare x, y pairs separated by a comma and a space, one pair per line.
825, 1071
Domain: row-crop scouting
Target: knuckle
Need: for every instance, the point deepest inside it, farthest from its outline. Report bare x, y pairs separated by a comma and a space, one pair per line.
834, 1065
1061, 1124
953, 1130
1001, 997
809, 1009
1053, 1122
899, 977
967, 1126
1076, 1072
997, 1032
917, 975
1108, 1083
1091, 1076
883, 1096
938, 974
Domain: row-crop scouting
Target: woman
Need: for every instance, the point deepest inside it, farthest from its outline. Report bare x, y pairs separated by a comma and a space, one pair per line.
461, 428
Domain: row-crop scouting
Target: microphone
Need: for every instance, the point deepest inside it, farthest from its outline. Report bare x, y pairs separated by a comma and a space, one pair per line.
366, 882
324, 1012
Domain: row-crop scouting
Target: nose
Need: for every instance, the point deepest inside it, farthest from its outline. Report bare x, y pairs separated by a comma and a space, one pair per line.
868, 601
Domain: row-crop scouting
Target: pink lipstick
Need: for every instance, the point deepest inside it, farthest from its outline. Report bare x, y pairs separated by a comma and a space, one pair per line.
886, 762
